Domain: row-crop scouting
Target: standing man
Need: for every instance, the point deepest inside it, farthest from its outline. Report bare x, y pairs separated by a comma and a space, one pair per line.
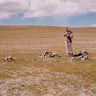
68, 41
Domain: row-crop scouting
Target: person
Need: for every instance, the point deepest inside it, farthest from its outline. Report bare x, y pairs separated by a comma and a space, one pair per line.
68, 36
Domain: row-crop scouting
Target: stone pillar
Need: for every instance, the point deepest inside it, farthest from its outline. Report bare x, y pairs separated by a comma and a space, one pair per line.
68, 46
68, 41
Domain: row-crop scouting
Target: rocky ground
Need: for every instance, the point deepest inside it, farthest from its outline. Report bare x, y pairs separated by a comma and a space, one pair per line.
42, 82
24, 71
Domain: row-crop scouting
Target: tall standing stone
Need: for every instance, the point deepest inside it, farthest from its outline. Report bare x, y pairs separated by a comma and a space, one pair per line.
68, 42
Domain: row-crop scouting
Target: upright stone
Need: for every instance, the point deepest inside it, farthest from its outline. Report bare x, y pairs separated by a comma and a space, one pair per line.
68, 42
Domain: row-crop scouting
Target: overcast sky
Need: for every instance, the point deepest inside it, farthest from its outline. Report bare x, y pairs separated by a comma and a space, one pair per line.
48, 12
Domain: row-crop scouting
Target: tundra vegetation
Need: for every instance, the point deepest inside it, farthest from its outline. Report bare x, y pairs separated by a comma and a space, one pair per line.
29, 74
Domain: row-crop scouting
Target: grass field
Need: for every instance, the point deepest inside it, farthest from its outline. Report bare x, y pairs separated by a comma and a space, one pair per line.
30, 75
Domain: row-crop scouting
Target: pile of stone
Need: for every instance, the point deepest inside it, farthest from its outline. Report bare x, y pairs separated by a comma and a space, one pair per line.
9, 58
49, 54
82, 55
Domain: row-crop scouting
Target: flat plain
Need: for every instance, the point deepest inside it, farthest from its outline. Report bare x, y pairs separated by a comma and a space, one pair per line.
32, 75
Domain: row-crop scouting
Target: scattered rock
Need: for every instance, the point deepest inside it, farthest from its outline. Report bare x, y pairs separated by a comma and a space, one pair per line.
46, 83
50, 54
82, 55
9, 58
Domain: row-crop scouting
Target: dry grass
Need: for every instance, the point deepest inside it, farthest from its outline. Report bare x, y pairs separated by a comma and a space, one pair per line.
30, 75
